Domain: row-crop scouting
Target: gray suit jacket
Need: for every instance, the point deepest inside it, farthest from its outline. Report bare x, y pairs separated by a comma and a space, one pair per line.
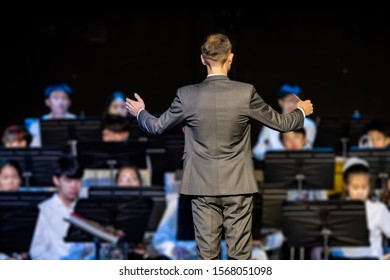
217, 154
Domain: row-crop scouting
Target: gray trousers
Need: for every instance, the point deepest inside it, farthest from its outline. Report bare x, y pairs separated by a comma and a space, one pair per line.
217, 215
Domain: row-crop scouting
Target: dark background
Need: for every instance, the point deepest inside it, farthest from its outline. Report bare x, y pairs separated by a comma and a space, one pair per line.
339, 57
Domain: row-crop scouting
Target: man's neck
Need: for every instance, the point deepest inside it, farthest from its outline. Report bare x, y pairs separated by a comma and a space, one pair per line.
217, 71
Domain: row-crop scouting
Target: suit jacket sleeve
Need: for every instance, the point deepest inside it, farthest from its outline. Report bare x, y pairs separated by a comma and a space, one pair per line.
261, 111
170, 118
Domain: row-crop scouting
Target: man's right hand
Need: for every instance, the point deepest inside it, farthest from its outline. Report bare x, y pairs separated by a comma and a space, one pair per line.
135, 106
306, 106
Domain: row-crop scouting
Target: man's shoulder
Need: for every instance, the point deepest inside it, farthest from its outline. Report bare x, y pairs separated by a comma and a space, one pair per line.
206, 82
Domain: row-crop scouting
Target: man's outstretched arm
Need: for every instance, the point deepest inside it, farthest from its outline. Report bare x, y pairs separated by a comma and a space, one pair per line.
152, 125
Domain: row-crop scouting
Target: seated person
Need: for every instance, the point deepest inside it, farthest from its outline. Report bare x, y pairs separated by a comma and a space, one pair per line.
269, 138
48, 239
58, 99
296, 141
128, 176
16, 136
10, 181
10, 176
116, 105
376, 134
357, 186
115, 129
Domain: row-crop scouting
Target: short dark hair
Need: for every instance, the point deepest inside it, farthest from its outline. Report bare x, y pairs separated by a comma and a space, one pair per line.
68, 166
57, 86
13, 163
299, 130
216, 47
17, 133
378, 125
355, 169
115, 123
287, 89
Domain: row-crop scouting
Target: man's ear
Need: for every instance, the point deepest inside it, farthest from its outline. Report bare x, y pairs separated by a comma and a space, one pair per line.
280, 102
230, 58
204, 62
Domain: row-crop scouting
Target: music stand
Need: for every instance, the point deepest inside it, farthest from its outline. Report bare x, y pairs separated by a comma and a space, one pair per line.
272, 200
108, 155
168, 158
325, 223
300, 170
68, 131
18, 215
130, 215
339, 132
36, 163
156, 193
379, 161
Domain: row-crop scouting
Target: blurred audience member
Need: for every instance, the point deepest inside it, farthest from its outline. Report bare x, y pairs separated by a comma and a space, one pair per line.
58, 99
294, 140
116, 105
128, 176
50, 230
357, 186
10, 176
16, 136
377, 134
115, 129
269, 138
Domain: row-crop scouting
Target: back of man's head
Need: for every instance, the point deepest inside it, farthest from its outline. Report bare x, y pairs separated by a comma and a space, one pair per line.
216, 47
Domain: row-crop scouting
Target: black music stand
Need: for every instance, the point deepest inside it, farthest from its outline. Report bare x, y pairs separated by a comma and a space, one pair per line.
36, 163
379, 161
272, 200
18, 214
339, 132
325, 223
108, 155
310, 170
156, 193
69, 131
128, 215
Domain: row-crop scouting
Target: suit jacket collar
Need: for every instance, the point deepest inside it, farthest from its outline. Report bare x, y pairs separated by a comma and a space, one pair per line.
216, 77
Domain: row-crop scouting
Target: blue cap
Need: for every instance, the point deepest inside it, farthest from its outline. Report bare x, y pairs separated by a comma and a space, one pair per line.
60, 87
287, 89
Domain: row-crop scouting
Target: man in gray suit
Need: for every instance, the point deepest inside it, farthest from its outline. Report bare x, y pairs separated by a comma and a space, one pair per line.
218, 167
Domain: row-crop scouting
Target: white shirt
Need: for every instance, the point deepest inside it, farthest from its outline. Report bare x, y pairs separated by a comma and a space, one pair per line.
378, 220
48, 238
269, 139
